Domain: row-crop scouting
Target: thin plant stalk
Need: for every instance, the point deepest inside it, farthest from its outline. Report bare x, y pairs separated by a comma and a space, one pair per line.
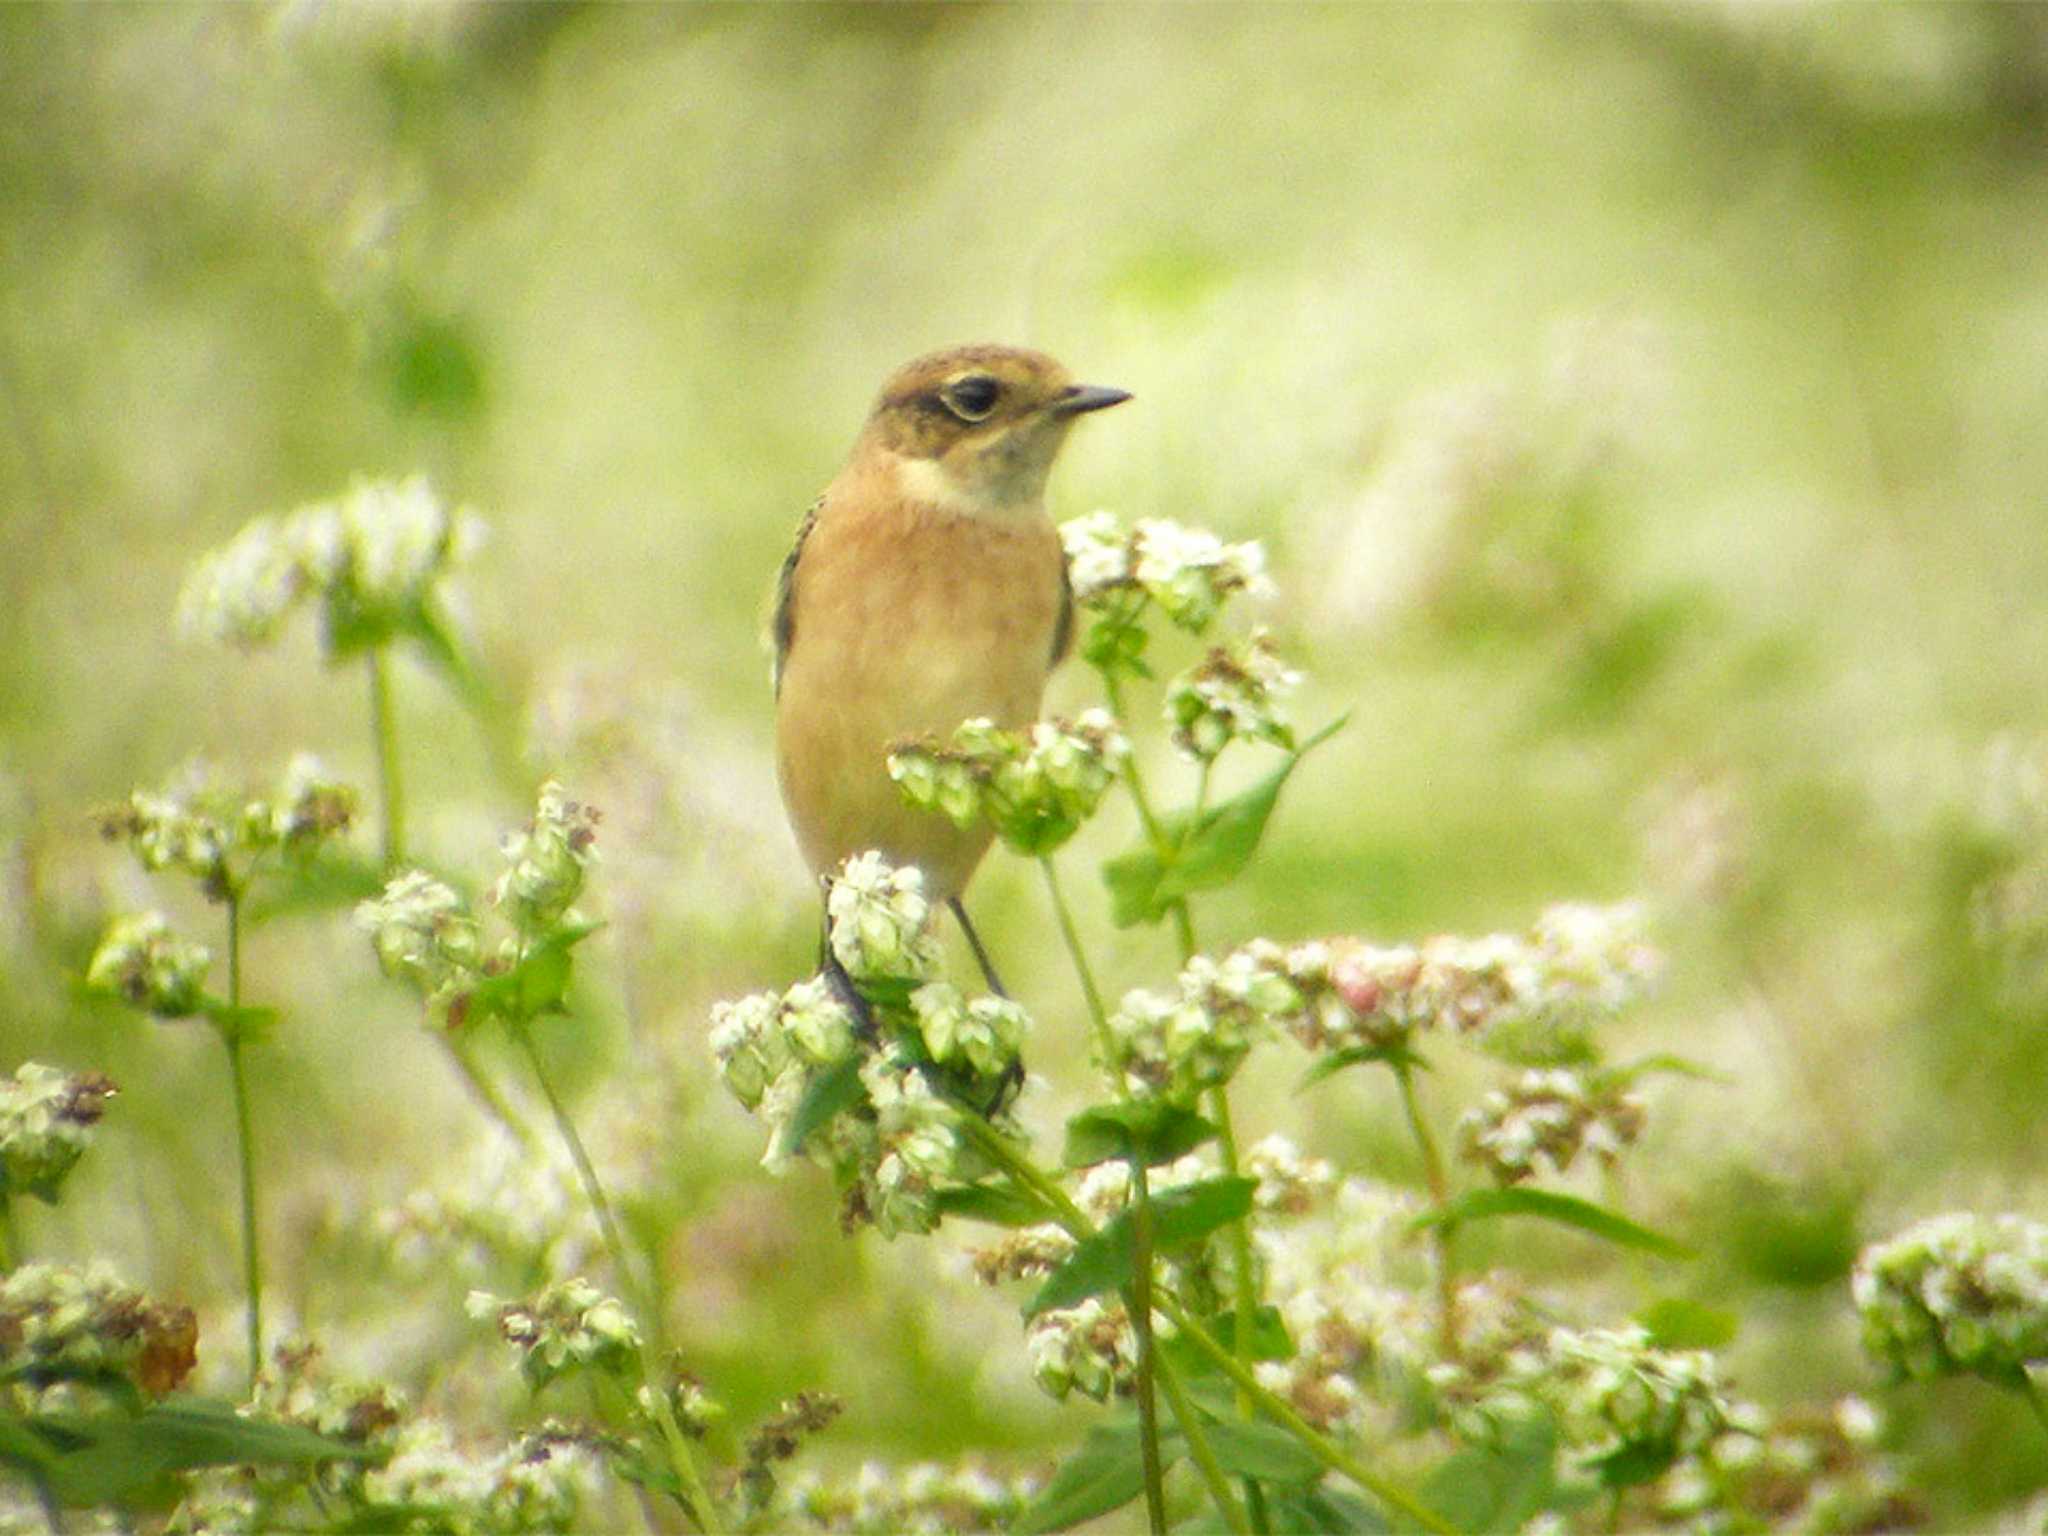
384, 732
231, 1039
1097, 1014
1325, 1450
1441, 1238
1141, 1326
696, 1497
1201, 1452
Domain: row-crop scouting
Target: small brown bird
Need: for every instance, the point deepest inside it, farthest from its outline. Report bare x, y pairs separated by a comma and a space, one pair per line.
927, 586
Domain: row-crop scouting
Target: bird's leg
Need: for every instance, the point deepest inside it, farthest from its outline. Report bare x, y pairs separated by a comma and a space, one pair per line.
1013, 1075
995, 982
842, 984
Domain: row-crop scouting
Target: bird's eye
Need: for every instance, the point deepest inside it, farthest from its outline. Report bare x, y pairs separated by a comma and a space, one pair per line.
972, 398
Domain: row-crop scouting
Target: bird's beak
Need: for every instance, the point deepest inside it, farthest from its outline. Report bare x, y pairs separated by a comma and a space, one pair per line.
1077, 398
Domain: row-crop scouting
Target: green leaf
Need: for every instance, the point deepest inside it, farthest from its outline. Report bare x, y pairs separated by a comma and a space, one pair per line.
1636, 1461
1666, 1062
1106, 1473
1146, 1128
124, 1454
1499, 1487
1565, 1210
1143, 887
992, 1203
1676, 1322
1393, 1054
1335, 1511
1264, 1451
243, 1024
1269, 1340
537, 984
836, 1088
1103, 1261
323, 881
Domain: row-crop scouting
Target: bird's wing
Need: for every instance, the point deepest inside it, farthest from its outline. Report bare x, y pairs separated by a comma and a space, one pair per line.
1063, 626
783, 628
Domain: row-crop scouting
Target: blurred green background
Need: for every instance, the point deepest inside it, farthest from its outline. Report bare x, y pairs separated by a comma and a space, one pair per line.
1642, 407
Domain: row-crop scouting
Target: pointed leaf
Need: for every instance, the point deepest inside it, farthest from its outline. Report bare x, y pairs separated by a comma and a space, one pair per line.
1143, 887
1146, 1128
1264, 1451
1331, 1511
1104, 1261
1394, 1055
992, 1203
836, 1088
1499, 1487
1106, 1473
124, 1454
1565, 1210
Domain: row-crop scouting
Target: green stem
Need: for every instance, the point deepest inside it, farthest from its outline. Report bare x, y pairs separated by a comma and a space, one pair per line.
384, 731
238, 1079
10, 1238
1105, 1042
696, 1498
1200, 1451
1325, 1450
1140, 1298
1439, 1197
1244, 1278
1024, 1172
486, 1093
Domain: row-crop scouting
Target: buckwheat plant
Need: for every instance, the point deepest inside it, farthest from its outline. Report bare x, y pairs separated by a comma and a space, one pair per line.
376, 561
228, 843
508, 966
46, 1122
1960, 1295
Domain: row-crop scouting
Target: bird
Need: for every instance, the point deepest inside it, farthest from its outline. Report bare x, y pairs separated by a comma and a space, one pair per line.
926, 586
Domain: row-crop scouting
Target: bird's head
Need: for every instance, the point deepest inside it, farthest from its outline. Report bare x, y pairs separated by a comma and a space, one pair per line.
976, 429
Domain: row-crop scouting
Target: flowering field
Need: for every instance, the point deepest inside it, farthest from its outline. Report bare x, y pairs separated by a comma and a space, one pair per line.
1524, 917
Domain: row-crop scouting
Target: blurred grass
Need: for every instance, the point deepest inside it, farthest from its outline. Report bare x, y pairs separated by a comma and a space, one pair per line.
1640, 404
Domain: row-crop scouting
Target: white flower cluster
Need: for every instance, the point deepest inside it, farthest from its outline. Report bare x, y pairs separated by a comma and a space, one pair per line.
1346, 1279
198, 828
504, 1205
881, 920
537, 1484
1232, 694
914, 1149
1176, 1045
1188, 572
895, 1148
923, 1498
295, 1386
569, 1324
763, 1039
1091, 1349
57, 1321
984, 1033
545, 864
1605, 1389
1959, 1293
141, 962
46, 1120
374, 555
1035, 788
1549, 1114
1801, 1469
1529, 999
425, 935
1290, 1184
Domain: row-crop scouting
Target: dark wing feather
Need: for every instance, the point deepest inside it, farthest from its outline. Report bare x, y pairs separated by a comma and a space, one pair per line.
1063, 626
783, 628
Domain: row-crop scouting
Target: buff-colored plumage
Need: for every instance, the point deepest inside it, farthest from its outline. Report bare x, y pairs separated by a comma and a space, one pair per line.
927, 587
